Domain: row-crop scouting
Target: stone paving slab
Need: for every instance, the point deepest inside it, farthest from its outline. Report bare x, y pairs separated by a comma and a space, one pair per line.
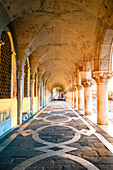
57, 138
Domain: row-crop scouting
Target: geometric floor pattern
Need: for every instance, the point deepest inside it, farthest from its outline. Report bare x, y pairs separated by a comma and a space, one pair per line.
57, 138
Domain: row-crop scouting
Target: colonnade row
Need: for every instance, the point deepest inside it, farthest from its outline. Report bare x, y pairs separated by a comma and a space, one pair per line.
43, 95
80, 94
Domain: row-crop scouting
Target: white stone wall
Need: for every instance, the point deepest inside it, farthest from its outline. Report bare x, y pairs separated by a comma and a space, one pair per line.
8, 107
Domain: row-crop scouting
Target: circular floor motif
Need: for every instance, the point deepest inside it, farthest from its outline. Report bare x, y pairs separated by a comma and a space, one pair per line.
56, 118
56, 134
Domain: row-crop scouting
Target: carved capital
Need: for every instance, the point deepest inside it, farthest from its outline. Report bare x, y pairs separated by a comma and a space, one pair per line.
32, 81
20, 75
38, 85
102, 76
74, 88
71, 89
87, 82
79, 86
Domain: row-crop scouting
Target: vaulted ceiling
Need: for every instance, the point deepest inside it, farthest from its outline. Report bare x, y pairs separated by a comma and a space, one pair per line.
56, 34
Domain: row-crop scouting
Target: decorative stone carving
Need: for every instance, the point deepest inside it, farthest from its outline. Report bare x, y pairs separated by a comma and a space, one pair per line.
73, 88
32, 81
102, 76
87, 82
20, 75
79, 86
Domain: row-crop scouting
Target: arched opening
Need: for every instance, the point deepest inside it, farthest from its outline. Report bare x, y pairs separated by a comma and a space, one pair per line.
8, 82
5, 67
58, 93
110, 84
26, 86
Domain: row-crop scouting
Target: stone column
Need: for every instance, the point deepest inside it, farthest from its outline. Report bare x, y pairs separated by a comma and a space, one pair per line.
87, 96
71, 96
102, 79
67, 96
44, 96
20, 96
80, 91
28, 83
80, 97
32, 95
38, 96
72, 89
75, 97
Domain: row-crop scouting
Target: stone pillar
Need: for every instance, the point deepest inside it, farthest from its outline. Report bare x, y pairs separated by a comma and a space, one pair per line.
72, 100
80, 97
28, 83
71, 96
32, 95
20, 96
44, 96
102, 79
38, 96
80, 91
87, 96
75, 97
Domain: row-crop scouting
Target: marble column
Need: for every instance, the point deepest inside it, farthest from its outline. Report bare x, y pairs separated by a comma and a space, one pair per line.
75, 97
20, 96
71, 96
44, 92
80, 97
32, 95
67, 96
87, 96
102, 79
38, 96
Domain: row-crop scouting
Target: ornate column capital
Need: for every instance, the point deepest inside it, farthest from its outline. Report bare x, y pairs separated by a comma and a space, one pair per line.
70, 89
87, 82
32, 81
20, 75
38, 85
79, 86
102, 76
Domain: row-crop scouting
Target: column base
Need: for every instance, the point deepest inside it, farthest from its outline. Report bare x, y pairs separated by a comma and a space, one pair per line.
88, 113
102, 122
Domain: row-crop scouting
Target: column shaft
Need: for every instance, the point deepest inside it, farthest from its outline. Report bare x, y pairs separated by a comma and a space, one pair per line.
38, 96
102, 79
102, 104
32, 96
80, 97
87, 83
20, 97
88, 100
76, 98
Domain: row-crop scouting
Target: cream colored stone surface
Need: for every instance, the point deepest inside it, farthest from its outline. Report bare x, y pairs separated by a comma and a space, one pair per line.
35, 104
26, 103
11, 106
63, 40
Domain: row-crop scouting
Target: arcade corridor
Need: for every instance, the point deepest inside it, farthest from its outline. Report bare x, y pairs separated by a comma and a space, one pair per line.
55, 55
57, 138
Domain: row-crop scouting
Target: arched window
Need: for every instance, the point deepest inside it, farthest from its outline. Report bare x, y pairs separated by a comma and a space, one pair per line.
5, 67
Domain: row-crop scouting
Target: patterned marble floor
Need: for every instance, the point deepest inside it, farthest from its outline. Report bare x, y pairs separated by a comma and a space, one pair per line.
57, 138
